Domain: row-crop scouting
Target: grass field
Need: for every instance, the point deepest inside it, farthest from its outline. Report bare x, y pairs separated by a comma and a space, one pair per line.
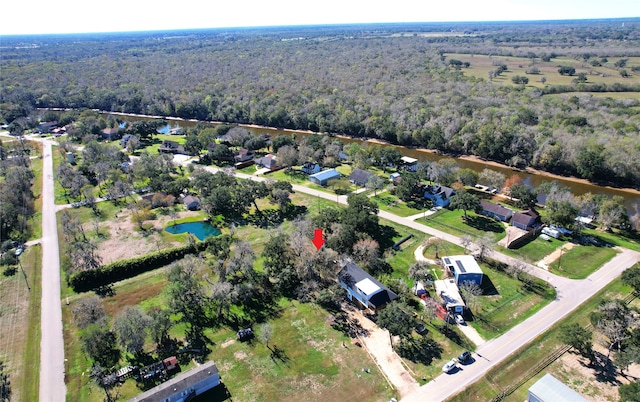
581, 261
534, 250
20, 294
475, 225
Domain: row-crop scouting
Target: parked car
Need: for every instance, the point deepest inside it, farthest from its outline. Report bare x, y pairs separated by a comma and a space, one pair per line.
450, 366
19, 251
420, 328
465, 356
459, 319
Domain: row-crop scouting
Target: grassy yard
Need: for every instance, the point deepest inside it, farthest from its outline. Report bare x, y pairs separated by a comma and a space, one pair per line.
152, 145
20, 294
475, 225
581, 261
534, 250
390, 203
313, 363
506, 302
630, 240
521, 362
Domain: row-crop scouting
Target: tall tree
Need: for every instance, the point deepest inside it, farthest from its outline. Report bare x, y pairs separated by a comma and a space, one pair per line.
465, 201
131, 327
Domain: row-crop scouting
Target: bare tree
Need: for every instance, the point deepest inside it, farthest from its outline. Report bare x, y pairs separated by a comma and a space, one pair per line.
486, 243
366, 252
470, 292
131, 327
89, 311
375, 183
466, 241
265, 334
436, 244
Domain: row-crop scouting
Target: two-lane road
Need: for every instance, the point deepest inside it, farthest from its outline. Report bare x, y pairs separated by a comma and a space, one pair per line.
52, 385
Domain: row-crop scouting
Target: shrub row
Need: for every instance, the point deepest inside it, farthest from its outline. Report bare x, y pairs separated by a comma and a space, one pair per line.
124, 269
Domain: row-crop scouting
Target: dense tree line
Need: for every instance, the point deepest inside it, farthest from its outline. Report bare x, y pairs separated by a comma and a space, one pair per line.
16, 196
400, 89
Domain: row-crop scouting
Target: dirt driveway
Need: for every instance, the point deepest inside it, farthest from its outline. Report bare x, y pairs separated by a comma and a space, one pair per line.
378, 343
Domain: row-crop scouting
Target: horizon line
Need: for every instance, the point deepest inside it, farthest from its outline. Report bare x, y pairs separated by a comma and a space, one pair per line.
341, 24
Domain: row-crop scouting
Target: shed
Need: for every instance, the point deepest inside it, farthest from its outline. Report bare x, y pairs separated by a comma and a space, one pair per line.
360, 177
464, 268
170, 363
550, 389
322, 178
450, 295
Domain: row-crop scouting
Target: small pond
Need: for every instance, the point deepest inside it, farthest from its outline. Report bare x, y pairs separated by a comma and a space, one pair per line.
201, 230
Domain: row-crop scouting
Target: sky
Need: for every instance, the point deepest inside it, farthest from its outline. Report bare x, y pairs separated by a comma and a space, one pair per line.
80, 16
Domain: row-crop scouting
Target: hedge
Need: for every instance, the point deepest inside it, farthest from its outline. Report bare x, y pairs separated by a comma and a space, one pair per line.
124, 269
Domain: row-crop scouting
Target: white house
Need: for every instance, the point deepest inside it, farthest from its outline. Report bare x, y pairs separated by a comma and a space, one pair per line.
464, 268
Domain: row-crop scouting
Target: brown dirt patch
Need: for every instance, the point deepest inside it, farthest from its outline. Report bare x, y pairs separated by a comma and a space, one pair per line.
228, 343
596, 383
240, 355
125, 240
114, 304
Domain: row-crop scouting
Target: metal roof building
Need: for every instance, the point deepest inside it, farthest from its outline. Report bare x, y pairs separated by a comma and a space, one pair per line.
464, 268
550, 389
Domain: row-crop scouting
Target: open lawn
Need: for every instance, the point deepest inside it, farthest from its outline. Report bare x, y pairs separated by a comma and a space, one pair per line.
390, 203
154, 143
581, 261
533, 251
475, 225
506, 302
630, 240
20, 293
517, 365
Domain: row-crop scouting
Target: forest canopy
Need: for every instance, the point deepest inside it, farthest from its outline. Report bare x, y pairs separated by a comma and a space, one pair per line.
396, 82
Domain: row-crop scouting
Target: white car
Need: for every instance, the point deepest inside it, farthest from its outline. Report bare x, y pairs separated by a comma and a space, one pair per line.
450, 365
459, 319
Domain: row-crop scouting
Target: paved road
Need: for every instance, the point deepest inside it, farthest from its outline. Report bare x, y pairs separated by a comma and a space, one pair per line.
570, 296
52, 385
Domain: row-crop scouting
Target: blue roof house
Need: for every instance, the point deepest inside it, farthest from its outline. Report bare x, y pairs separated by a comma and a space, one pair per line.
322, 178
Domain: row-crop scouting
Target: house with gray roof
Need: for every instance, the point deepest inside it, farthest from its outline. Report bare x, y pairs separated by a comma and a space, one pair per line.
360, 177
496, 211
183, 387
550, 389
439, 195
364, 288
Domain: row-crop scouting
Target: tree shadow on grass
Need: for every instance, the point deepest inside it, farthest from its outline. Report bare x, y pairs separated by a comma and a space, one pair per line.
484, 224
278, 354
385, 236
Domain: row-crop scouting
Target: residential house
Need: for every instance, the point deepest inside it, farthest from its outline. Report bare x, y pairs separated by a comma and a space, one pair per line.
364, 288
322, 178
496, 211
439, 195
311, 168
171, 147
550, 389
111, 133
464, 268
409, 164
191, 202
183, 387
243, 155
47, 126
360, 177
525, 220
125, 139
268, 162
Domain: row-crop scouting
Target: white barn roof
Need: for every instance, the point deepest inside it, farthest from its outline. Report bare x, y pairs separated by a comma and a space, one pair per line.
550, 389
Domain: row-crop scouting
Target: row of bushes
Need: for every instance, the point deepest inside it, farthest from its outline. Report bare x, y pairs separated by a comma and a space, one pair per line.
124, 269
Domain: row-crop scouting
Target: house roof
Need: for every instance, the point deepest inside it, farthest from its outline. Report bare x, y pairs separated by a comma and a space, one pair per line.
167, 390
495, 208
353, 276
326, 175
443, 191
550, 389
527, 217
462, 263
190, 199
110, 131
360, 176
267, 161
408, 160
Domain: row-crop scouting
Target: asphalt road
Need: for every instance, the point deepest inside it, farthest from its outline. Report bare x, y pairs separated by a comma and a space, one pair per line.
52, 385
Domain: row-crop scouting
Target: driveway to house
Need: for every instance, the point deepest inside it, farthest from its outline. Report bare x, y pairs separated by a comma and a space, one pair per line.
52, 364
